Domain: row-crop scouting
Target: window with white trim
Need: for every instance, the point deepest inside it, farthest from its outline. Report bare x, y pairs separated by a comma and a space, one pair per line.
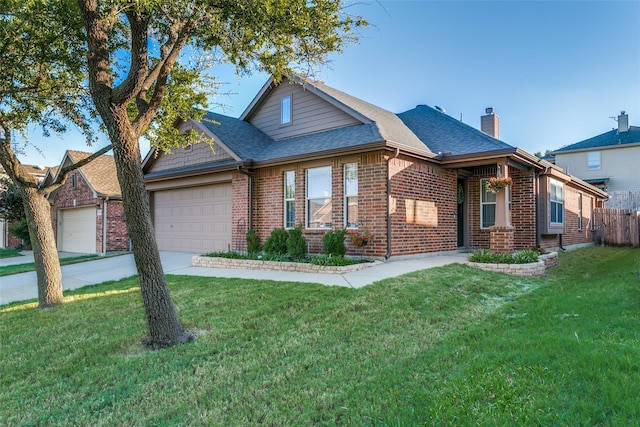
593, 160
556, 202
289, 199
351, 195
487, 205
318, 197
285, 110
579, 211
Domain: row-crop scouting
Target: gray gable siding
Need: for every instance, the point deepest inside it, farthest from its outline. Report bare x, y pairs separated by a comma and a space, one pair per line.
309, 113
198, 154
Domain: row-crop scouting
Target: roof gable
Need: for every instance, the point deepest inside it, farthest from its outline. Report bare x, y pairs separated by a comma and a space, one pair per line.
610, 139
100, 173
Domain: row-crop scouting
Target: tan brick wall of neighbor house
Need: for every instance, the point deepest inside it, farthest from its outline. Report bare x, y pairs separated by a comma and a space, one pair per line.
423, 207
117, 235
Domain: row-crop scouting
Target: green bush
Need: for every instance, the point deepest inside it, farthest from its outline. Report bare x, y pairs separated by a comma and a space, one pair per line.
253, 242
277, 242
485, 256
296, 244
328, 260
333, 243
21, 231
525, 256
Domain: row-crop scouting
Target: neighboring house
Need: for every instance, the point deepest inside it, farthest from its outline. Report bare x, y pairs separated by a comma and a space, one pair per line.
86, 211
7, 240
609, 161
306, 154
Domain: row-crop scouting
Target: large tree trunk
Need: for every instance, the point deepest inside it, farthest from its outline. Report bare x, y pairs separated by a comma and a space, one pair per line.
164, 326
43, 243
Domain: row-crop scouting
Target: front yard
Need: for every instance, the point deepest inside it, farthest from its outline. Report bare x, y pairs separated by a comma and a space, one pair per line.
446, 346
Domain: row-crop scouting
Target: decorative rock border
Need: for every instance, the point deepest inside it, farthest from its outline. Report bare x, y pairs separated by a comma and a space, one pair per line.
531, 269
299, 267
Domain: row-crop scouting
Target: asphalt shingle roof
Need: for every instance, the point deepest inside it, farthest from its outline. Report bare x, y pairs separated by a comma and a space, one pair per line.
100, 173
241, 137
444, 134
607, 139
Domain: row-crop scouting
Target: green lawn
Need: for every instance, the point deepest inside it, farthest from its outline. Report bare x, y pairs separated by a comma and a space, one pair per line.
30, 266
9, 253
446, 346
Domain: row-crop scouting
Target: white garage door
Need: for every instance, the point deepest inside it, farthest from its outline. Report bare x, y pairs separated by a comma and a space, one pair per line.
77, 230
196, 219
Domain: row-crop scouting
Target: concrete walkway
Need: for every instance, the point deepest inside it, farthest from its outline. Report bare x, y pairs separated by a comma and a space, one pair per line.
19, 287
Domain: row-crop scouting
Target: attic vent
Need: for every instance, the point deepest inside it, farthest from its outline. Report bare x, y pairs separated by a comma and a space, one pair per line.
440, 109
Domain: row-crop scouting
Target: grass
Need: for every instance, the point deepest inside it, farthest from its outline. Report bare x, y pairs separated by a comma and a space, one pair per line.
31, 266
9, 253
445, 346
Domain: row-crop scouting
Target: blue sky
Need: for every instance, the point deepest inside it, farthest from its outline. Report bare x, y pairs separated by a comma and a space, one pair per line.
555, 71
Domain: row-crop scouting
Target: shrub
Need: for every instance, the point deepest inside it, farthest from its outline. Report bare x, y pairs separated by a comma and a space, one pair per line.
334, 261
277, 242
485, 256
296, 244
333, 243
253, 242
525, 256
21, 231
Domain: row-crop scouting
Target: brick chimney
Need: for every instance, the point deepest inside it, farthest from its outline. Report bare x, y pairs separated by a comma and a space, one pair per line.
490, 123
623, 122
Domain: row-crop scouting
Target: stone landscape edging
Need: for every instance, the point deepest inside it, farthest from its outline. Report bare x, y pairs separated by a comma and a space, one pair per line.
527, 270
298, 267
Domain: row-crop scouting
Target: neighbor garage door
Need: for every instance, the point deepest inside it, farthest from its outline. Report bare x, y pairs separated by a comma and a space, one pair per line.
77, 230
196, 219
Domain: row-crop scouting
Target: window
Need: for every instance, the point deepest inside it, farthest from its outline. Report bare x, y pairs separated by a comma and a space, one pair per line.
285, 110
289, 199
487, 206
579, 211
556, 202
73, 181
351, 195
319, 208
593, 160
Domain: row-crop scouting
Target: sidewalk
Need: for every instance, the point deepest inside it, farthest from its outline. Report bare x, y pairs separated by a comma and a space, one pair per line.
19, 287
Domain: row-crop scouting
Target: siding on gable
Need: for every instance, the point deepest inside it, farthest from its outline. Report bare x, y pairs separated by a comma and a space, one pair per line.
197, 154
309, 113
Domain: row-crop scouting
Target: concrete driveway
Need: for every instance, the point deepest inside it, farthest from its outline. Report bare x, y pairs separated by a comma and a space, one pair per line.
19, 287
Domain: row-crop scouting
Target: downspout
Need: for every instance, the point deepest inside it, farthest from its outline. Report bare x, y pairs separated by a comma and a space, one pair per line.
104, 225
397, 153
536, 197
250, 175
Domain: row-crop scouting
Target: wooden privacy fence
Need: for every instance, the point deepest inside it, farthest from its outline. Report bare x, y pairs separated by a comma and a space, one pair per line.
617, 227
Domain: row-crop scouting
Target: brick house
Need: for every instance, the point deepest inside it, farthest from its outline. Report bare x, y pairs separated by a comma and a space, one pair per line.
306, 154
86, 211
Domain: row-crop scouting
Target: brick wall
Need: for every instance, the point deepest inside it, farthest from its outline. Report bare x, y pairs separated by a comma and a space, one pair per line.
423, 207
523, 208
268, 200
66, 197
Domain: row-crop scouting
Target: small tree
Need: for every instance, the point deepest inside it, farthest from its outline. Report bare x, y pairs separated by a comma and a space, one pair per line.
333, 243
296, 243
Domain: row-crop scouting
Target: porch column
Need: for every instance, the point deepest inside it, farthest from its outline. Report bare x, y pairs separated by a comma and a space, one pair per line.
502, 239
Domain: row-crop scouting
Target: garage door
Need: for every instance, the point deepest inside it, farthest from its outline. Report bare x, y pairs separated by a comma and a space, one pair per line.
77, 230
196, 219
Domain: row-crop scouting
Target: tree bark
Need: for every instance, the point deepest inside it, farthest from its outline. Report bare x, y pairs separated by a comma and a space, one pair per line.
165, 328
43, 243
